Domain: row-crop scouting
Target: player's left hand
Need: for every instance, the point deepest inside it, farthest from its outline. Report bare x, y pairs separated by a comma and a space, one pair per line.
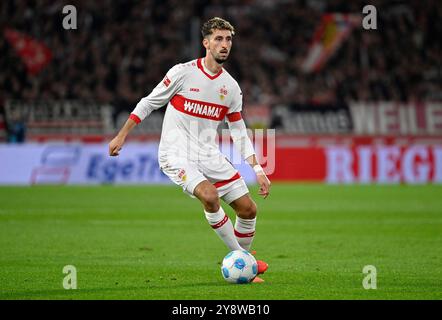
264, 185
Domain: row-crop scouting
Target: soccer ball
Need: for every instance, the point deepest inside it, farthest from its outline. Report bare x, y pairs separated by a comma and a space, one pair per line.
239, 266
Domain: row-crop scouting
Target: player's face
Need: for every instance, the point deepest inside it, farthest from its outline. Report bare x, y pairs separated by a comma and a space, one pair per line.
219, 44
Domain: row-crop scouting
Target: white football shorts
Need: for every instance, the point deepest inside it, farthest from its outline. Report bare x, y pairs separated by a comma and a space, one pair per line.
218, 171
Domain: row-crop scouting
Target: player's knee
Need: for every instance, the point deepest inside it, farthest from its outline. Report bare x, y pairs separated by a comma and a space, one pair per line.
249, 211
211, 199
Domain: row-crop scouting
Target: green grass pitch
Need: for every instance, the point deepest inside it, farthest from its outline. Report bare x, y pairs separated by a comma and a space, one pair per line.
153, 242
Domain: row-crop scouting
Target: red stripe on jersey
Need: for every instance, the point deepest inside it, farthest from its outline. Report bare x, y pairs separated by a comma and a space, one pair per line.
244, 235
200, 66
200, 109
235, 116
135, 118
224, 182
221, 223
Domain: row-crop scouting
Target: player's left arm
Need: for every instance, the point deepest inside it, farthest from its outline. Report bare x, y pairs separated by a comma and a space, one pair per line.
242, 142
238, 132
263, 182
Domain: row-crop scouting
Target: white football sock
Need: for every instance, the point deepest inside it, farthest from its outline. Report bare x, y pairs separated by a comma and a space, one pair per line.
245, 231
222, 225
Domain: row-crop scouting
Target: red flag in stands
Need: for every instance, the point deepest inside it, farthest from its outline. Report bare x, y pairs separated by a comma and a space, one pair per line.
33, 53
332, 31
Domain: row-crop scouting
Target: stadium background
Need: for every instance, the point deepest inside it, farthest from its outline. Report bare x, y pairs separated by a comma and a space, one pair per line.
377, 88
348, 105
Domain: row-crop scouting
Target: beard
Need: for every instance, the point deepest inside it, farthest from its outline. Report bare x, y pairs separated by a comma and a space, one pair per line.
220, 60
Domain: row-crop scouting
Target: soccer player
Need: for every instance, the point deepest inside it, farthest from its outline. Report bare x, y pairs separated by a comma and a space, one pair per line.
199, 95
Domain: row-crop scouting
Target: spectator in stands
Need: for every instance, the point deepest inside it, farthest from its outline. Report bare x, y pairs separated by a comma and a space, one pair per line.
16, 128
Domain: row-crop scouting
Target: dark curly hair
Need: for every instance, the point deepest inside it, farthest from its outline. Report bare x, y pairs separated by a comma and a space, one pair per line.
216, 23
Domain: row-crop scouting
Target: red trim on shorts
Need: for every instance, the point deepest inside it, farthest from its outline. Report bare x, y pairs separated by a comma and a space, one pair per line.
200, 66
224, 182
135, 118
221, 223
234, 116
196, 108
244, 235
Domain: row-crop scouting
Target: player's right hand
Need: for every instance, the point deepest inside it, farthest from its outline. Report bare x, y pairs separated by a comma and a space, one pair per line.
115, 146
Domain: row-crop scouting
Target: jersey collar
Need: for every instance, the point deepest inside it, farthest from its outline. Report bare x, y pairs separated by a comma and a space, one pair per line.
199, 63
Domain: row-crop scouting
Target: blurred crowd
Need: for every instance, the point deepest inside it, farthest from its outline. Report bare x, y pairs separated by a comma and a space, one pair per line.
122, 49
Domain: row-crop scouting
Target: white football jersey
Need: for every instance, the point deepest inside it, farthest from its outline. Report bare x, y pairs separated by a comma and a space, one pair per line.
197, 101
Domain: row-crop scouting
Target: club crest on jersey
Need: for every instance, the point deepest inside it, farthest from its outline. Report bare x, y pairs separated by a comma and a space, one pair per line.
182, 175
222, 92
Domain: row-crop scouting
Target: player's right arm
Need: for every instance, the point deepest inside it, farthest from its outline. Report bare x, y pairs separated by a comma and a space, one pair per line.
117, 143
158, 98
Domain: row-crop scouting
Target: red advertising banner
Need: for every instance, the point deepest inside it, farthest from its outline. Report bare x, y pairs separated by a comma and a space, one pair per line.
364, 163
